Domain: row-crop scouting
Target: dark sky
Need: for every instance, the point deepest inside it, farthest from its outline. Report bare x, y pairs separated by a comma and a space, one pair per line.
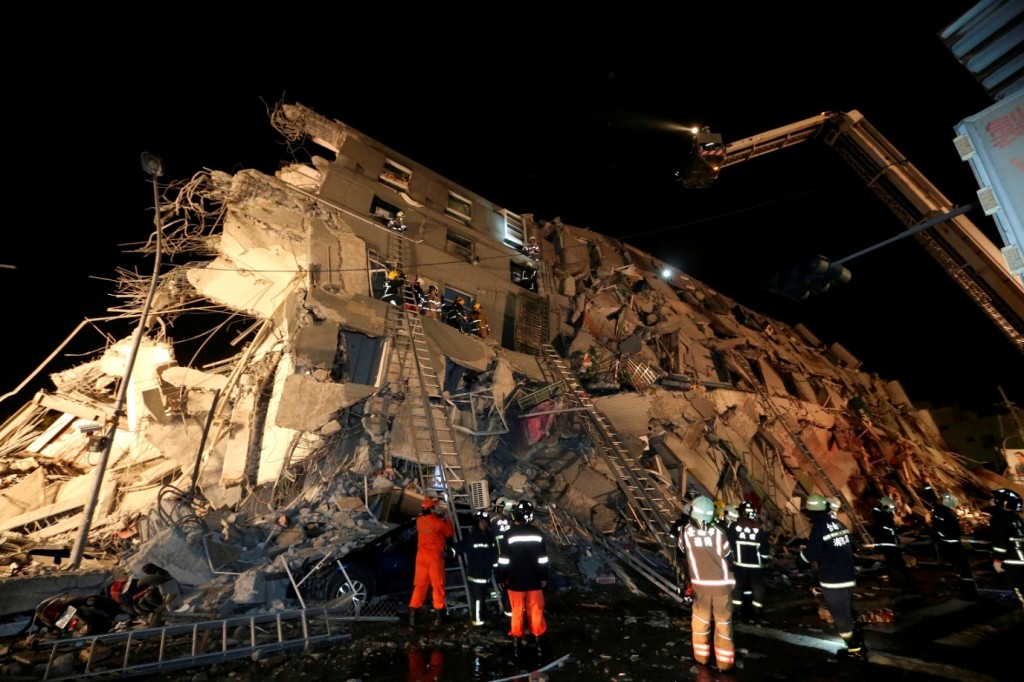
554, 119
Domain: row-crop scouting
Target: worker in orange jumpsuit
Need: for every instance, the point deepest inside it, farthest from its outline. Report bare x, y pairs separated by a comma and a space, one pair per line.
433, 533
523, 568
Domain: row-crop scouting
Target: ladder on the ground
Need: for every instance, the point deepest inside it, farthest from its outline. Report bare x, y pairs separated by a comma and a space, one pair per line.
648, 501
148, 651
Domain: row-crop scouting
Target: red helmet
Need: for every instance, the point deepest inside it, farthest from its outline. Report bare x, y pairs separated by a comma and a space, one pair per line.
430, 503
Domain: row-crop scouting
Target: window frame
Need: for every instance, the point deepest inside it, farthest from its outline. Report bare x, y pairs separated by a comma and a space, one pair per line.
461, 245
382, 210
515, 235
395, 175
451, 211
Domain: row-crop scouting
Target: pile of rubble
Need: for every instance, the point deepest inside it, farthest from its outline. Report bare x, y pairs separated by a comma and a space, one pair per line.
268, 454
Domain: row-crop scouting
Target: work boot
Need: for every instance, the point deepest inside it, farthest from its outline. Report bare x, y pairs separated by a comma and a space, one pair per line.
412, 616
517, 645
438, 617
541, 642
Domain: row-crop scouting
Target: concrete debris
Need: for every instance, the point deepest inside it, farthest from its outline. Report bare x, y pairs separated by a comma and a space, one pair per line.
305, 438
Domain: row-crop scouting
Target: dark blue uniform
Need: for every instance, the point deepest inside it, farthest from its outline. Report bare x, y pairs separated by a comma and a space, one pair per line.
480, 549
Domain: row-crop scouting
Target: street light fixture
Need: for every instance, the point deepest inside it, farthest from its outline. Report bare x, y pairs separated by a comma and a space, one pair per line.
154, 167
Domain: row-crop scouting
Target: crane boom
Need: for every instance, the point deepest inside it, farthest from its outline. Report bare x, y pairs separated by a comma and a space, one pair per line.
963, 250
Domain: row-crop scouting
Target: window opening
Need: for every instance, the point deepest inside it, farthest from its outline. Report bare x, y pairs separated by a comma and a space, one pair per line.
459, 207
515, 234
460, 246
382, 211
395, 175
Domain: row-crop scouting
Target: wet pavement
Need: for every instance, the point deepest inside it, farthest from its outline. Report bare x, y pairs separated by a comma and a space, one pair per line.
608, 633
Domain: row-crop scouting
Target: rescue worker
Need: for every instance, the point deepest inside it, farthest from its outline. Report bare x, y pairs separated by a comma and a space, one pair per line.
532, 249
708, 553
830, 546
393, 285
501, 521
419, 296
523, 567
887, 541
398, 222
729, 519
433, 531
432, 303
720, 513
946, 534
929, 497
1007, 531
478, 321
455, 314
480, 549
751, 552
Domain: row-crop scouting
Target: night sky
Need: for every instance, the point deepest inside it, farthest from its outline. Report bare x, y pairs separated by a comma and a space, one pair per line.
554, 119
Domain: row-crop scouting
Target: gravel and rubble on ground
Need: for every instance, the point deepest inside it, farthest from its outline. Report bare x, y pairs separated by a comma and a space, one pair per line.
282, 447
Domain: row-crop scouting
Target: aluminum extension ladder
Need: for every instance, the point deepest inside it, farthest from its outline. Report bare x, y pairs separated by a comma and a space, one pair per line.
177, 647
437, 455
648, 502
822, 477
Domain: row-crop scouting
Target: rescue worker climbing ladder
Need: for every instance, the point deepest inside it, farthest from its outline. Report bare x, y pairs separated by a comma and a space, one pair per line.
433, 533
393, 284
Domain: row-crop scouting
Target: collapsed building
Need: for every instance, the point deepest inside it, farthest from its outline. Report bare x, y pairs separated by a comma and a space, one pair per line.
315, 413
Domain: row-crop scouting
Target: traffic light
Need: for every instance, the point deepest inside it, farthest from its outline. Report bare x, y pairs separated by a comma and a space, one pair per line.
816, 276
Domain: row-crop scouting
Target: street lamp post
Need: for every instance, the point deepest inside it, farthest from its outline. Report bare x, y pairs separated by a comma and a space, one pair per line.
152, 165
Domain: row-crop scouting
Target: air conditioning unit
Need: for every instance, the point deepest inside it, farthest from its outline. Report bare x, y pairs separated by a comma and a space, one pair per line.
479, 495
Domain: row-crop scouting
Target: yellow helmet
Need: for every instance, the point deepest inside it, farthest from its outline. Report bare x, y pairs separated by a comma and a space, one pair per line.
393, 274
459, 300
477, 306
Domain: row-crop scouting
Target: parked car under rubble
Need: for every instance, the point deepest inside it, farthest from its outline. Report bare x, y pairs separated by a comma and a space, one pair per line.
383, 567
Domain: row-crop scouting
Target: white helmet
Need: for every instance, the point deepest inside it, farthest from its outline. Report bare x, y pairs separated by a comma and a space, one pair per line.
503, 504
703, 510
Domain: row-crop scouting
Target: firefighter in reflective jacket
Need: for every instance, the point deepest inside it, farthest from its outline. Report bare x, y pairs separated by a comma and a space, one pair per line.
523, 566
393, 285
501, 521
532, 249
1007, 528
946, 535
480, 549
751, 552
478, 322
433, 533
454, 313
887, 541
708, 553
830, 545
